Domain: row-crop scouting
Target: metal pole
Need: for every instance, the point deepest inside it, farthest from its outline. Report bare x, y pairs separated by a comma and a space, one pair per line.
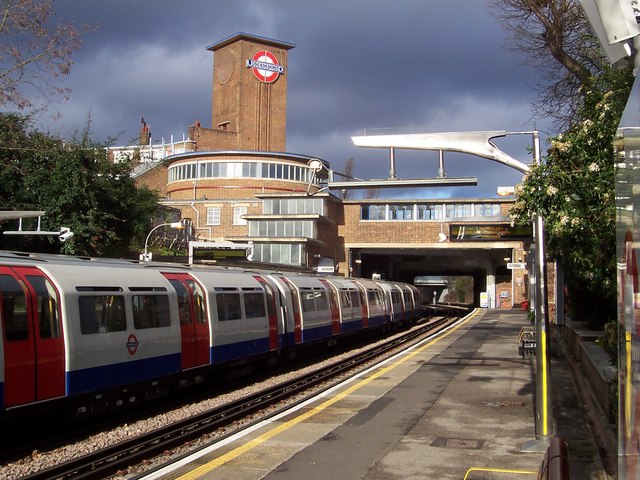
544, 413
392, 162
441, 173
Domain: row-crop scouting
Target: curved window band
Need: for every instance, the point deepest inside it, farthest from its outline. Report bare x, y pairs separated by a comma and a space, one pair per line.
248, 169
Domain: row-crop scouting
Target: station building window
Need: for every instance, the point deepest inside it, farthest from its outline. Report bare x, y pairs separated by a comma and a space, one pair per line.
238, 212
282, 228
203, 169
428, 211
287, 253
293, 206
459, 210
213, 215
487, 209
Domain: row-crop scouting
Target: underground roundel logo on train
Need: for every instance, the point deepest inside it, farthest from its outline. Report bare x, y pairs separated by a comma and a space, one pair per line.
132, 344
265, 66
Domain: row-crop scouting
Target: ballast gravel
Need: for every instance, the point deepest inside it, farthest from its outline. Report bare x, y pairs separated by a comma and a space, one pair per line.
40, 460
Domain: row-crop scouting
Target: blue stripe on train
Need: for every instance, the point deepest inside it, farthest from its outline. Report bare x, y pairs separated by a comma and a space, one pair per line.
236, 351
108, 376
309, 335
352, 326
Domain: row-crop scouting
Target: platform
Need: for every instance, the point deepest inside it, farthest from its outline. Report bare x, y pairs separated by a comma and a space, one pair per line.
460, 404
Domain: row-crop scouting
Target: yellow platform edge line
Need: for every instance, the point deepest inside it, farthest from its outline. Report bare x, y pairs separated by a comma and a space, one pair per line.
498, 470
227, 457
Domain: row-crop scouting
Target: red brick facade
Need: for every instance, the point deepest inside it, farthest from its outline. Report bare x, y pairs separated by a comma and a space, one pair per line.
249, 126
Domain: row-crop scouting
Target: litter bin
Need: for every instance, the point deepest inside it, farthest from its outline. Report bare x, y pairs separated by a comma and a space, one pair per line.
524, 306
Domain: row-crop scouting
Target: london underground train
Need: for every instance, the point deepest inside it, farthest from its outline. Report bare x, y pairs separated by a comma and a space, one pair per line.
97, 334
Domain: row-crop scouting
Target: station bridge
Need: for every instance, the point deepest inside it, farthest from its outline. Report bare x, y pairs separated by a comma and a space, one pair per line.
475, 270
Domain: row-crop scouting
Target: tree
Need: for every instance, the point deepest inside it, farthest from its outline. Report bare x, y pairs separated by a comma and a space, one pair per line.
573, 189
77, 186
34, 52
557, 40
574, 192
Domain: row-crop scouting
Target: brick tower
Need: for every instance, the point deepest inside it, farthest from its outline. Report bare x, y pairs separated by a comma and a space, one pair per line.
249, 107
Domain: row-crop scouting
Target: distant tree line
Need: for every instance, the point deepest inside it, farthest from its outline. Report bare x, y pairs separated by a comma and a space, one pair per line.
77, 187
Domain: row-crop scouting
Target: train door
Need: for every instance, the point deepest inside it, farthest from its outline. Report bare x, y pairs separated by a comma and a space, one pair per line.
364, 305
334, 306
297, 318
33, 343
194, 327
271, 312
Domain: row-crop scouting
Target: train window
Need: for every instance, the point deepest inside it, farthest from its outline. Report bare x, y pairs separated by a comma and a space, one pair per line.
308, 304
147, 289
254, 305
373, 297
13, 309
321, 299
98, 289
101, 314
228, 305
346, 298
198, 299
150, 311
47, 302
355, 298
184, 312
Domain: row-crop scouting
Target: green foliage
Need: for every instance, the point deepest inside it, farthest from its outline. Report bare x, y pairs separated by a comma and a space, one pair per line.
574, 192
609, 341
77, 186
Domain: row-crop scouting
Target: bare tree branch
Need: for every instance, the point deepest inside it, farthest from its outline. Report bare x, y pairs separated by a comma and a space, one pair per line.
34, 50
556, 38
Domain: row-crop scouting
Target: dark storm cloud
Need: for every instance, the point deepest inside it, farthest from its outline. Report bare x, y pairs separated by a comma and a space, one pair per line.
422, 66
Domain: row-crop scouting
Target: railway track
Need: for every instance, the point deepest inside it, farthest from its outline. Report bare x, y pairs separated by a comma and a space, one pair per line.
122, 456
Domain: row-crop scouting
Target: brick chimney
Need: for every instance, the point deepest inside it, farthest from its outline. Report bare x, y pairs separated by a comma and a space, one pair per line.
145, 133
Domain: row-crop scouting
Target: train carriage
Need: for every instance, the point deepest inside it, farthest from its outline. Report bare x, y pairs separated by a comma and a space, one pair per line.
111, 332
311, 315
349, 303
32, 350
243, 325
410, 302
120, 326
374, 312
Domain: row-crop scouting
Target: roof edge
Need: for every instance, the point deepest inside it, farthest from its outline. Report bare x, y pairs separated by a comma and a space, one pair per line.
248, 36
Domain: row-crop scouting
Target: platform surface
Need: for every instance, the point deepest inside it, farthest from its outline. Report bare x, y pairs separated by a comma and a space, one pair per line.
461, 401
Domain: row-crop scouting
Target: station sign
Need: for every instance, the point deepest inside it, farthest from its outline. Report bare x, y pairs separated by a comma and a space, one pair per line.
326, 269
484, 300
265, 66
516, 266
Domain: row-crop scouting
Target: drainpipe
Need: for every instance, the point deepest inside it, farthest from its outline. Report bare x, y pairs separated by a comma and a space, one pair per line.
198, 221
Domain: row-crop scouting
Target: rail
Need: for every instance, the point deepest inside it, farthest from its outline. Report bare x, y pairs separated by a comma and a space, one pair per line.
109, 460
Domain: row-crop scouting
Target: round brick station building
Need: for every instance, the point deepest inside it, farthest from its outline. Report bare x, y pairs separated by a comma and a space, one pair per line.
239, 187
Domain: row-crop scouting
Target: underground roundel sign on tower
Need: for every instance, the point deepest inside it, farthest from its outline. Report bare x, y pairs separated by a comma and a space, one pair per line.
265, 66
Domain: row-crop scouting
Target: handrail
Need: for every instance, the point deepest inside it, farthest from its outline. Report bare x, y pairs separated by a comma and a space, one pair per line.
498, 470
555, 465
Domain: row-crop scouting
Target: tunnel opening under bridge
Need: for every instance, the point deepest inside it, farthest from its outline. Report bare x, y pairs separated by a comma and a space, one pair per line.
485, 272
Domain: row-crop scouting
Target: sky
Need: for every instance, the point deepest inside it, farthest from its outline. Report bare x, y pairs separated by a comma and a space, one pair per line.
410, 66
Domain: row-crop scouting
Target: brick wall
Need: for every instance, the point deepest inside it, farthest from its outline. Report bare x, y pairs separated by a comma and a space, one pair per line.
154, 179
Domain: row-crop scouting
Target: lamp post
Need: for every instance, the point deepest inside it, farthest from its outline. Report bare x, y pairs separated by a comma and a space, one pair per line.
146, 257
